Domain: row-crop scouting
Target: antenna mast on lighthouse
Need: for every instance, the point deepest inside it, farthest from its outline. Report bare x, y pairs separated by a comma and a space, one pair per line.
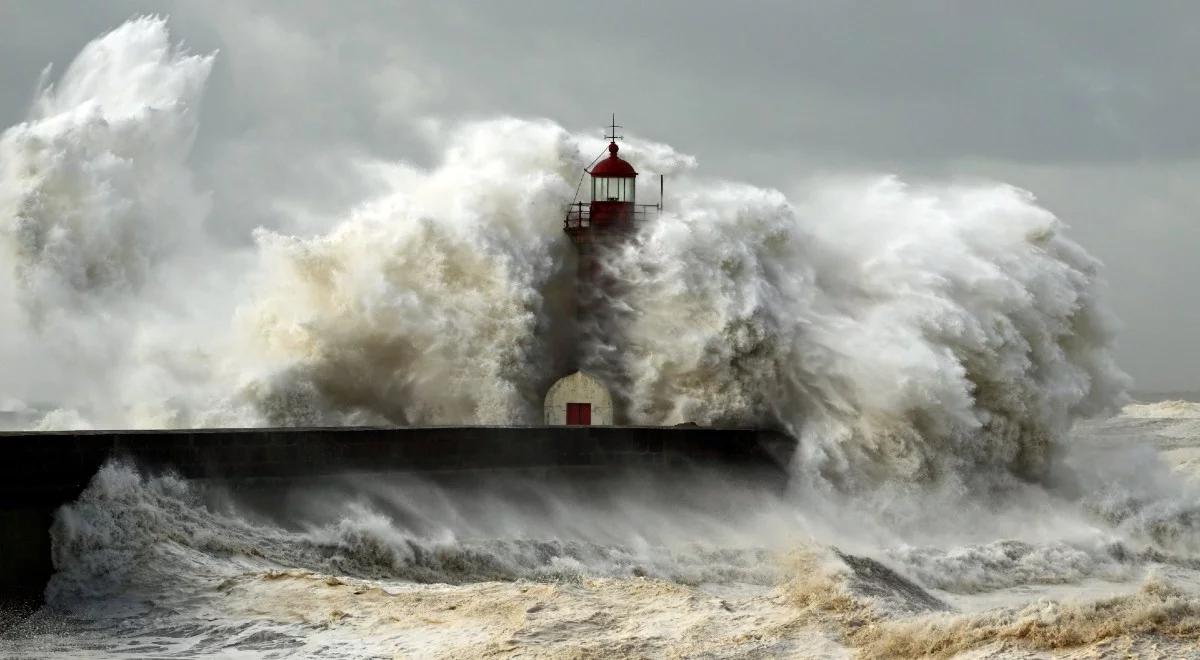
614, 137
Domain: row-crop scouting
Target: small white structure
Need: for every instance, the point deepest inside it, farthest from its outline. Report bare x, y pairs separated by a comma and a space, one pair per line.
579, 399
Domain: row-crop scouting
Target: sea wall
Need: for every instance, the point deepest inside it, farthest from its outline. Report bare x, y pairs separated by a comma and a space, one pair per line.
43, 470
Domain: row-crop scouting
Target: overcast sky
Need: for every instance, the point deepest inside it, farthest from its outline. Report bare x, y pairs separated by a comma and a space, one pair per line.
1093, 106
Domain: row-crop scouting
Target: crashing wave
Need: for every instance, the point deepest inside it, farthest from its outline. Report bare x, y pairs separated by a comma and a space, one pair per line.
901, 332
1174, 409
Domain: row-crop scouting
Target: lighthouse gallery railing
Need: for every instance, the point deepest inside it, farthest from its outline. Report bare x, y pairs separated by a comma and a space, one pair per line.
579, 214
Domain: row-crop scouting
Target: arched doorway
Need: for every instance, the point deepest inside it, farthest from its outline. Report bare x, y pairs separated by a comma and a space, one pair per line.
579, 400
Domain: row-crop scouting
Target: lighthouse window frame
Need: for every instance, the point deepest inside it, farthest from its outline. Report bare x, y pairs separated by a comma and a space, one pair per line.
613, 189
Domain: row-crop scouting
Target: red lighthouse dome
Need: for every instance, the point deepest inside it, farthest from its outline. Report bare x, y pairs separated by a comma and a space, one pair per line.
614, 165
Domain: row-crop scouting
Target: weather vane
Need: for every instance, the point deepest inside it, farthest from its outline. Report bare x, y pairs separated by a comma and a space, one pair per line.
614, 137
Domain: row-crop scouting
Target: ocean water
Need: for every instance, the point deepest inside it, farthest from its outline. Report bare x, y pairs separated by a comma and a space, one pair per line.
633, 565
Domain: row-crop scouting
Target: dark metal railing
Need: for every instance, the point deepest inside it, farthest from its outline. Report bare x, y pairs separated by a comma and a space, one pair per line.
579, 214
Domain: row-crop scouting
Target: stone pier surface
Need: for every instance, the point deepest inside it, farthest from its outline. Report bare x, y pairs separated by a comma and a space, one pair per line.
41, 471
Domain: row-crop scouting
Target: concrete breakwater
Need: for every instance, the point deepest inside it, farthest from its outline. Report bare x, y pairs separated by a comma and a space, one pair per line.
43, 470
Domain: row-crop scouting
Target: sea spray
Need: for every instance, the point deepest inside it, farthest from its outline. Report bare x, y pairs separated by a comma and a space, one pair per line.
95, 188
897, 330
436, 304
906, 332
105, 260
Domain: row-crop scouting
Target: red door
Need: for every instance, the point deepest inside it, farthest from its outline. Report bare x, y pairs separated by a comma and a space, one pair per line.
579, 414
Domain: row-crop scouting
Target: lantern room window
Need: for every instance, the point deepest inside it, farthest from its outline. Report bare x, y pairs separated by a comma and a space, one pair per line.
613, 189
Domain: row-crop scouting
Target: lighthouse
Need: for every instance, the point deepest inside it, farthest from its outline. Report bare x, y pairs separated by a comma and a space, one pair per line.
597, 226
612, 212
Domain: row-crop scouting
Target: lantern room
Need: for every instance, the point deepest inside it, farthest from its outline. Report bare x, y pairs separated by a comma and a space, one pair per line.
614, 188
613, 179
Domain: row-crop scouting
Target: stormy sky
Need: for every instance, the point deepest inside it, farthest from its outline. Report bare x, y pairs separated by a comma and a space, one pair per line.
1093, 106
